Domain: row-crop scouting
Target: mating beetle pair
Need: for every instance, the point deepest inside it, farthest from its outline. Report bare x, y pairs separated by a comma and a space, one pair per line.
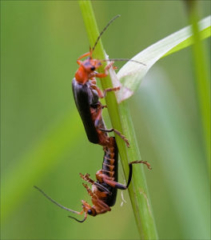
86, 95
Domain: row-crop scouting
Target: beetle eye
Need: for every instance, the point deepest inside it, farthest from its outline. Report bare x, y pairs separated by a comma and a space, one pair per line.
92, 68
89, 212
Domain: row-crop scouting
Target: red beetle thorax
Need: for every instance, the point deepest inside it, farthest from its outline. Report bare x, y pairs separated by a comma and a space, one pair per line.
82, 76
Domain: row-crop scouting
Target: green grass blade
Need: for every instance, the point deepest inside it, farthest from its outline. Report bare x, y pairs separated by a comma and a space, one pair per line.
202, 78
120, 119
131, 74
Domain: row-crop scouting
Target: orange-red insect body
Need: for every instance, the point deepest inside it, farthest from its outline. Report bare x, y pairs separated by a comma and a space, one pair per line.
86, 95
104, 190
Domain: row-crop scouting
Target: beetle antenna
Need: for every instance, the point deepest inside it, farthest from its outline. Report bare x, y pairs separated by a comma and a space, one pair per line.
122, 59
53, 201
80, 221
104, 31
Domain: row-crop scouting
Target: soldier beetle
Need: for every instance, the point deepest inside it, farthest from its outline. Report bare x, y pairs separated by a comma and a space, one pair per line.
104, 190
86, 95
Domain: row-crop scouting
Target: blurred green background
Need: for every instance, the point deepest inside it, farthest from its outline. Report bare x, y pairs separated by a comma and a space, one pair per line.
43, 140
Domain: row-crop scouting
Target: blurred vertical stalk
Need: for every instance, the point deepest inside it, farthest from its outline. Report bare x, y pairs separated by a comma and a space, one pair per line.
121, 120
202, 76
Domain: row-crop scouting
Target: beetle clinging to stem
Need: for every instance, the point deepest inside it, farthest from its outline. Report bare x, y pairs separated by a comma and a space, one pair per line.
104, 190
86, 95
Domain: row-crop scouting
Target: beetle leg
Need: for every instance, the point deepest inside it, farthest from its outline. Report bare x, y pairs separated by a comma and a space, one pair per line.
141, 161
118, 133
100, 94
93, 194
110, 90
82, 56
89, 180
114, 184
105, 74
100, 206
86, 178
108, 67
88, 190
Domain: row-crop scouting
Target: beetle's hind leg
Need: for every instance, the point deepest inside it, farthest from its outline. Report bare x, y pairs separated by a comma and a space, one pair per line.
118, 133
92, 182
114, 184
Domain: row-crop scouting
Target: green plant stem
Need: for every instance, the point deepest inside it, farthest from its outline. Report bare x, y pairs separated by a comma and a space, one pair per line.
121, 120
202, 77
